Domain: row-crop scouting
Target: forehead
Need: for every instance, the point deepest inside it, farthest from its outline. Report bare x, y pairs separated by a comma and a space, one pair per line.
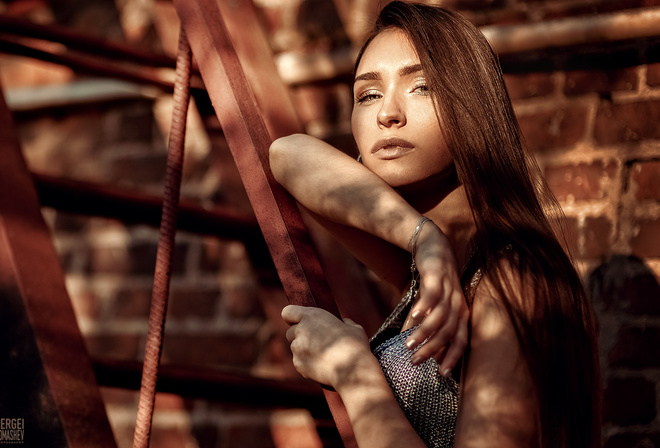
389, 50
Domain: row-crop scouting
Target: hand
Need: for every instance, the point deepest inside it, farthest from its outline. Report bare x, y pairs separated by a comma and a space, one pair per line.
441, 307
325, 349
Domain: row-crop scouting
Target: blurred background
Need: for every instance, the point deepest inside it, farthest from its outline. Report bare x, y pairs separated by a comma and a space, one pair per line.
584, 76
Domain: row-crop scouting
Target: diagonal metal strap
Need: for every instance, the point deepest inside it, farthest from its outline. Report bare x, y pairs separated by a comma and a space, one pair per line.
276, 211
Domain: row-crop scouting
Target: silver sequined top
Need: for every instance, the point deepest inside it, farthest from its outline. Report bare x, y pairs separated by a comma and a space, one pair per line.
429, 400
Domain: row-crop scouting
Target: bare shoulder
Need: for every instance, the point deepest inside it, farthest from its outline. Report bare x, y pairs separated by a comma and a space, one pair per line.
498, 405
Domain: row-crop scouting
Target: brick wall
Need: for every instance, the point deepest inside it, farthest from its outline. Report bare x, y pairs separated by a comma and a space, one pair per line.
589, 115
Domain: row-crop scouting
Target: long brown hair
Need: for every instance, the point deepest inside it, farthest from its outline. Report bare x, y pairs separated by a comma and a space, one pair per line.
511, 206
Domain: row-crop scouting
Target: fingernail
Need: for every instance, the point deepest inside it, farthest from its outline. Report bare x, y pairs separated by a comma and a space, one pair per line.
446, 372
410, 343
415, 314
416, 360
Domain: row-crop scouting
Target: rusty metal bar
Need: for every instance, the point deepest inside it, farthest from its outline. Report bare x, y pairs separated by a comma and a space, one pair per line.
165, 254
248, 138
594, 29
298, 69
346, 278
229, 387
133, 207
93, 65
66, 396
83, 42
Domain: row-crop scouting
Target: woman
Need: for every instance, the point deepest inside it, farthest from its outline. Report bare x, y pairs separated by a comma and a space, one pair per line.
438, 138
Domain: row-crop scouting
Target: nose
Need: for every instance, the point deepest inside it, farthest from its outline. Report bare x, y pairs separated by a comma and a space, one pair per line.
391, 112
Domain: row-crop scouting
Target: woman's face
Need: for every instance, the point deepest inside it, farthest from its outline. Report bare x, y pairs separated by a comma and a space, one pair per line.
394, 121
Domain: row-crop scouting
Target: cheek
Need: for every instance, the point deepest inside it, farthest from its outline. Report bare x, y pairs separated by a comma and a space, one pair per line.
358, 127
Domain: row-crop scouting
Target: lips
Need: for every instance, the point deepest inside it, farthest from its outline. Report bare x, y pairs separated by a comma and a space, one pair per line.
391, 148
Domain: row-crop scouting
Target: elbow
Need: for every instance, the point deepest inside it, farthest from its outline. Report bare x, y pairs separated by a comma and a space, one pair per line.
281, 156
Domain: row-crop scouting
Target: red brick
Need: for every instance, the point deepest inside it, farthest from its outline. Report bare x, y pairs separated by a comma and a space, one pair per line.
558, 128
86, 303
241, 301
193, 302
583, 181
131, 303
322, 104
174, 437
169, 402
646, 178
529, 85
588, 81
646, 243
234, 350
629, 122
213, 254
108, 260
294, 430
597, 237
624, 284
629, 401
653, 74
636, 347
139, 259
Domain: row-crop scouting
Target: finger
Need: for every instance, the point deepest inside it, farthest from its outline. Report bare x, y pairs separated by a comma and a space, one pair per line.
292, 314
291, 333
440, 354
434, 294
456, 349
430, 295
437, 320
432, 346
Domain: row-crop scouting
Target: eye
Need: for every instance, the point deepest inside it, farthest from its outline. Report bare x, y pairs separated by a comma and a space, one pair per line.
421, 88
367, 96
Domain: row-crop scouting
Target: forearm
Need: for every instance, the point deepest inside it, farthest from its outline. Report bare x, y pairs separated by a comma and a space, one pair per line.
377, 419
338, 188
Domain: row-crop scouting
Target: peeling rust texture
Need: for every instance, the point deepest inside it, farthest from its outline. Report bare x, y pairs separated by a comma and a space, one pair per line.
47, 377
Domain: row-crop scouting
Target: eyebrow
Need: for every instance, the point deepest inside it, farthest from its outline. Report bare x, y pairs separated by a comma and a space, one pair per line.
403, 71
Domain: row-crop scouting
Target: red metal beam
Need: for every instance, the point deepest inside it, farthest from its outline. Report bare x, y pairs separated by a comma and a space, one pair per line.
248, 138
229, 387
83, 42
133, 207
352, 294
65, 407
93, 65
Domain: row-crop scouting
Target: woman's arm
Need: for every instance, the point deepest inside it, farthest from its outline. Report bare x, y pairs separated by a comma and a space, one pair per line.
337, 354
498, 407
345, 196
